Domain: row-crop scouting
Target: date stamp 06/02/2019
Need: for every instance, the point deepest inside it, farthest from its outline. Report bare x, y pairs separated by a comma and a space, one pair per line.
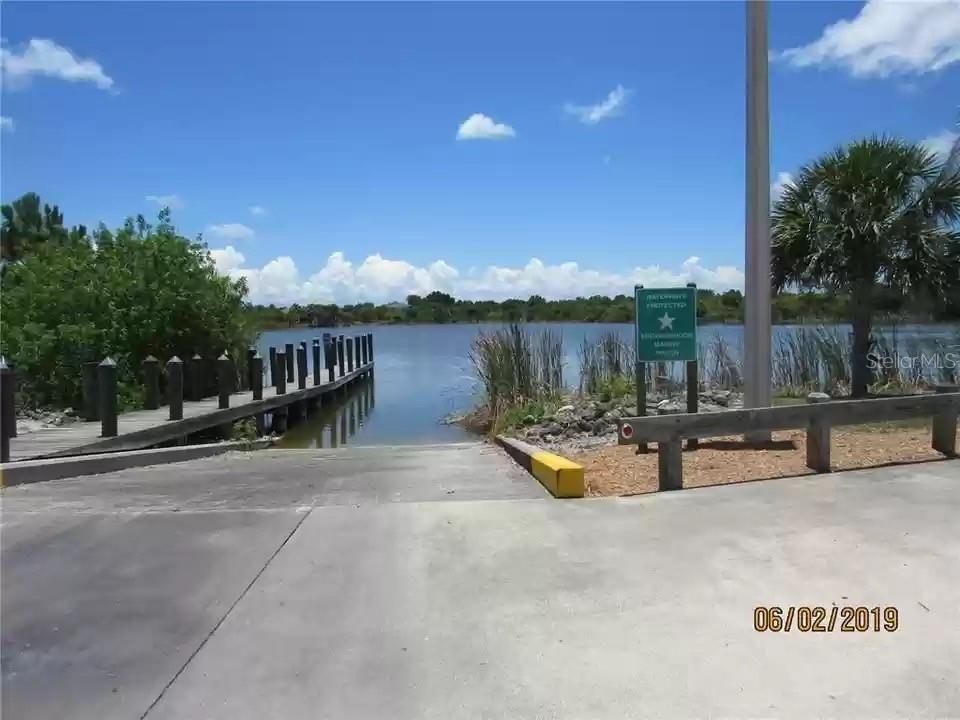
816, 618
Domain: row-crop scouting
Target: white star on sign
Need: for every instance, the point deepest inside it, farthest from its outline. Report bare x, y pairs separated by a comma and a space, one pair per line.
666, 322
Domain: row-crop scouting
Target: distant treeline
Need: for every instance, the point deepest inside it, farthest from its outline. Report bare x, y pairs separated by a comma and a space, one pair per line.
712, 307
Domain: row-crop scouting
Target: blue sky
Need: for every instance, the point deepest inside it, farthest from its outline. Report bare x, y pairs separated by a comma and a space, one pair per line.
316, 145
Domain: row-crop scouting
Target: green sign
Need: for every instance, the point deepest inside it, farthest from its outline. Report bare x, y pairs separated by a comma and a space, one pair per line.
666, 324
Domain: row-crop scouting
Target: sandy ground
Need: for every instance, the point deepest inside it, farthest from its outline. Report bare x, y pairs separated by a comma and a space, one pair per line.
617, 470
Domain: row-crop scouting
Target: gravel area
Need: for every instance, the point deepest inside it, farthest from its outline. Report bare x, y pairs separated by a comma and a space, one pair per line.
617, 470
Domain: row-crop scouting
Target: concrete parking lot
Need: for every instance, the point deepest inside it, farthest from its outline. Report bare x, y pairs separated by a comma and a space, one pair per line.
443, 582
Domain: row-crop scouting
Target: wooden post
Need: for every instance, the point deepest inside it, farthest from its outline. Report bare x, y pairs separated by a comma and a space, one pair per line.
288, 354
340, 349
315, 348
224, 381
251, 354
273, 365
175, 387
363, 349
349, 355
151, 383
818, 437
107, 382
693, 397
641, 380
370, 345
945, 426
328, 355
302, 366
640, 373
91, 394
196, 373
693, 379
8, 413
670, 462
256, 377
280, 377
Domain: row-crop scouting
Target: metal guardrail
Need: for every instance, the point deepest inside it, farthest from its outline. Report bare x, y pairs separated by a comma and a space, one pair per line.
817, 417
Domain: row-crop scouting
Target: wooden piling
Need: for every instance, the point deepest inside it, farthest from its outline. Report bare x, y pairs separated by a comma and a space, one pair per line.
175, 387
289, 355
281, 375
224, 381
302, 366
316, 361
107, 385
256, 378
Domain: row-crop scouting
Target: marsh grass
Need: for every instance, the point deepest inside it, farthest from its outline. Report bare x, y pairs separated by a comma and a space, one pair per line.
516, 368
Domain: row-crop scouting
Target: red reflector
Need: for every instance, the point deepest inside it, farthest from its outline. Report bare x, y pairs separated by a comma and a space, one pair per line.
627, 431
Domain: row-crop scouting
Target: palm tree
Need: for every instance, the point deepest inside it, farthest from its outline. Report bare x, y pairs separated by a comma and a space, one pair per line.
876, 215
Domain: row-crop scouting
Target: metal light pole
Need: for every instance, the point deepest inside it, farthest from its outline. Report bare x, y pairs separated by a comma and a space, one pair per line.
757, 266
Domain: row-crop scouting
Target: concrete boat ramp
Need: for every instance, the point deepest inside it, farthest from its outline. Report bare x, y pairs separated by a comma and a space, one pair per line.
443, 582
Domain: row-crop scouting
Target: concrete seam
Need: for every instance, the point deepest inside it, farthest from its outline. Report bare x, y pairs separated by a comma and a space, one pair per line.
220, 622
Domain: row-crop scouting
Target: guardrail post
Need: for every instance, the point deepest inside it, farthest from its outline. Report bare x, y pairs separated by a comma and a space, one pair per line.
288, 354
693, 397
640, 377
151, 383
91, 394
302, 366
670, 464
340, 348
945, 425
349, 355
818, 437
315, 351
175, 387
8, 413
224, 384
281, 375
256, 376
195, 371
107, 382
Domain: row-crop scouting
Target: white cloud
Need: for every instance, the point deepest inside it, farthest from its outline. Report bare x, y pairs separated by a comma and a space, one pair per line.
609, 107
230, 231
481, 127
172, 201
227, 259
777, 186
257, 210
887, 38
45, 57
940, 144
379, 279
7, 124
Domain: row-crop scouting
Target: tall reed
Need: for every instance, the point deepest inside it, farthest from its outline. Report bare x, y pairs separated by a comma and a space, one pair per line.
515, 366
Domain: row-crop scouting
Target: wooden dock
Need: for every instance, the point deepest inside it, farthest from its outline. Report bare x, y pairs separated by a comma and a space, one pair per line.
142, 429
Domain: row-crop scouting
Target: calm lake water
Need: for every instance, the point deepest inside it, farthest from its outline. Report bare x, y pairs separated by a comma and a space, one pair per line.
423, 374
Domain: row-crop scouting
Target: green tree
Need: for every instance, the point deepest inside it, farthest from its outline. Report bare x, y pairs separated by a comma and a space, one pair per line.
876, 215
139, 291
28, 225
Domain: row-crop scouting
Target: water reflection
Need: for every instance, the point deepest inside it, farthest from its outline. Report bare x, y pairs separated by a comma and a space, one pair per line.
335, 422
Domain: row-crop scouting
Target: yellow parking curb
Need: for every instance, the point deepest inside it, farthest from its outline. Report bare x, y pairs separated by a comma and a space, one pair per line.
562, 477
